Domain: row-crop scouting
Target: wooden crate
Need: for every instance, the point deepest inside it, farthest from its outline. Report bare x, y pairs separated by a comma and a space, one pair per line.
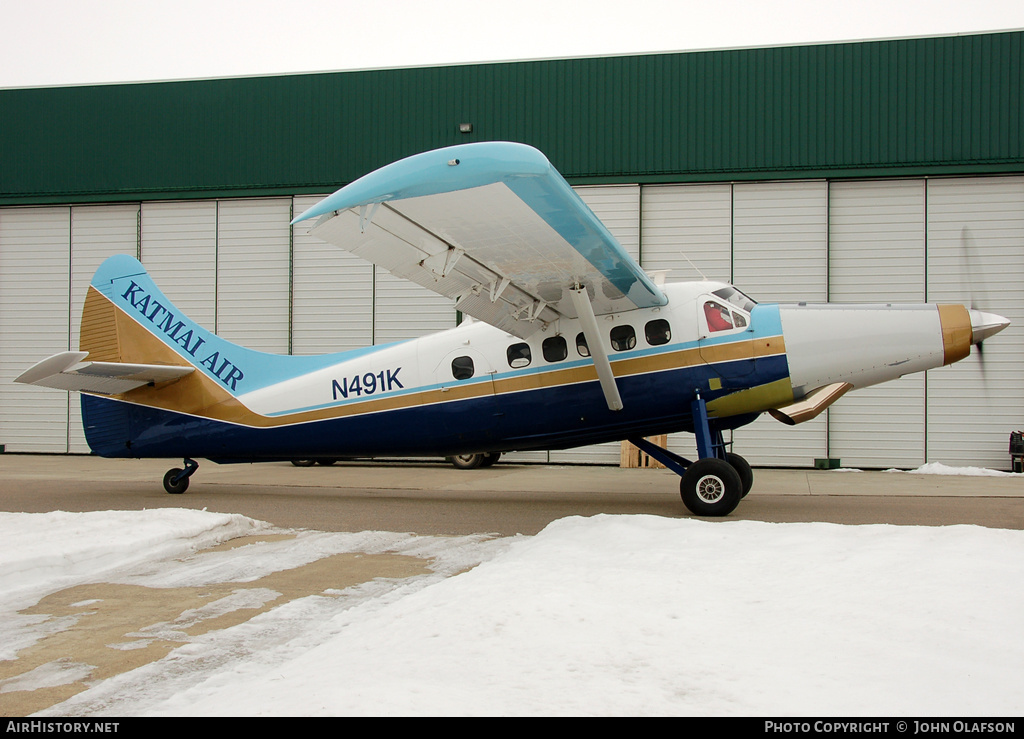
632, 456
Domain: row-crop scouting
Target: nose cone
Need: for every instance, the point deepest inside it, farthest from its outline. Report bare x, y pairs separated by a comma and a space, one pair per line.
985, 324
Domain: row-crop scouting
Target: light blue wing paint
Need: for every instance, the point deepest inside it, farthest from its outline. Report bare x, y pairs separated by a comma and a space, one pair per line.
527, 173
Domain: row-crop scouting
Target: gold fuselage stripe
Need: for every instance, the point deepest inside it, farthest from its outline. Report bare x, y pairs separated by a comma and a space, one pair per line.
198, 395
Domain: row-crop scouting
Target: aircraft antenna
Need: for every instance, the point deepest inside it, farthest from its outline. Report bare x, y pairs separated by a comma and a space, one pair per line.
695, 269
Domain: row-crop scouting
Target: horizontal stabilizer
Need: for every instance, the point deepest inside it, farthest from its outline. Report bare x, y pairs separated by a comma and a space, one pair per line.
68, 371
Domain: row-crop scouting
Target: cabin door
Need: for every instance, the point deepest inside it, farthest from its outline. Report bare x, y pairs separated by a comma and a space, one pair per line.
466, 409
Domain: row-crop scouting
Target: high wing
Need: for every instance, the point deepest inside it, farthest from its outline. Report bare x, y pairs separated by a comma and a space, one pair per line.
492, 225
67, 371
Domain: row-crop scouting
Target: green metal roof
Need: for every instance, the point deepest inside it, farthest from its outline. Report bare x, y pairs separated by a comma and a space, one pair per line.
900, 107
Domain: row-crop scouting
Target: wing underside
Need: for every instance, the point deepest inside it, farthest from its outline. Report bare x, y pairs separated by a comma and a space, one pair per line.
492, 226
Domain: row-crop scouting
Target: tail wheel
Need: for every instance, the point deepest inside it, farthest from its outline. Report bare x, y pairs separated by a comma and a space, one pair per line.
711, 487
467, 461
175, 481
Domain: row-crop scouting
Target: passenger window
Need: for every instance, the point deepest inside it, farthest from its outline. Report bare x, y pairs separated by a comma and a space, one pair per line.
581, 345
519, 356
719, 318
462, 368
623, 338
555, 349
657, 332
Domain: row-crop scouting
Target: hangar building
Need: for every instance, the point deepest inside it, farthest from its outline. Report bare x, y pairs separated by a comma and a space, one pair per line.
881, 171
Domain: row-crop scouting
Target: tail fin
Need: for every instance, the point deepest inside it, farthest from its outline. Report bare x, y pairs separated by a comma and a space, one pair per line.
133, 336
128, 320
171, 385
134, 340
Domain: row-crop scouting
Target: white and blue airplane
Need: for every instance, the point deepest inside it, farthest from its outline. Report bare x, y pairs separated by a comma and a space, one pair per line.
572, 343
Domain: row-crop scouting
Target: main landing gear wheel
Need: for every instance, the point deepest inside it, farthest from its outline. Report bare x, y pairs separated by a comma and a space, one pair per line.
742, 468
472, 461
467, 461
711, 487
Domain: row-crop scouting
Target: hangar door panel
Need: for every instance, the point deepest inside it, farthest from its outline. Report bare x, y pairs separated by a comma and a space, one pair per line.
975, 233
877, 255
404, 310
688, 223
332, 293
34, 274
780, 254
97, 232
253, 265
179, 250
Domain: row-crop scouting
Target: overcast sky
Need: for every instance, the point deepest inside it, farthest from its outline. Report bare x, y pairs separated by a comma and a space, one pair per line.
60, 42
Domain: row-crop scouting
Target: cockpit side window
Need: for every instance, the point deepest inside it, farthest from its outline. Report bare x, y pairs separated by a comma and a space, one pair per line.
719, 317
730, 310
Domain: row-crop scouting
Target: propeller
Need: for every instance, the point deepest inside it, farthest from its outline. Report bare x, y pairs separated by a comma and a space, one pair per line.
983, 323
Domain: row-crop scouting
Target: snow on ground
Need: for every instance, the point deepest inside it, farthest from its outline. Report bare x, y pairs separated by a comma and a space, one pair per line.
937, 468
610, 615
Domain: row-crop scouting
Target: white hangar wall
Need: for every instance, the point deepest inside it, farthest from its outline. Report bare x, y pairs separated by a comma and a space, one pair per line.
237, 267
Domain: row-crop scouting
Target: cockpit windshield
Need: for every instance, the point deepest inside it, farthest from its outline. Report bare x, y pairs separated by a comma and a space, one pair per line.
736, 298
731, 314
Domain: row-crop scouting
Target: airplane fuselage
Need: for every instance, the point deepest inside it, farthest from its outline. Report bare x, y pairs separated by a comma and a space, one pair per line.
475, 388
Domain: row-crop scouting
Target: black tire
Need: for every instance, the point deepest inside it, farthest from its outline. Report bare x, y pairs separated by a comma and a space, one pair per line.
490, 459
467, 461
303, 462
175, 488
711, 487
326, 462
742, 468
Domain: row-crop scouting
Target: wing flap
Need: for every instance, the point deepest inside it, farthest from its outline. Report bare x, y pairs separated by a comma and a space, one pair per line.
394, 242
67, 371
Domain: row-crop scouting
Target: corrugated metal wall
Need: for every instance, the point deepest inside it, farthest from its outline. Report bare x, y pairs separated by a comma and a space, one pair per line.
946, 239
877, 240
915, 106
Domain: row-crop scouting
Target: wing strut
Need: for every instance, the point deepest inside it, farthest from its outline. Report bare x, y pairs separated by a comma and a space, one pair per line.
588, 322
